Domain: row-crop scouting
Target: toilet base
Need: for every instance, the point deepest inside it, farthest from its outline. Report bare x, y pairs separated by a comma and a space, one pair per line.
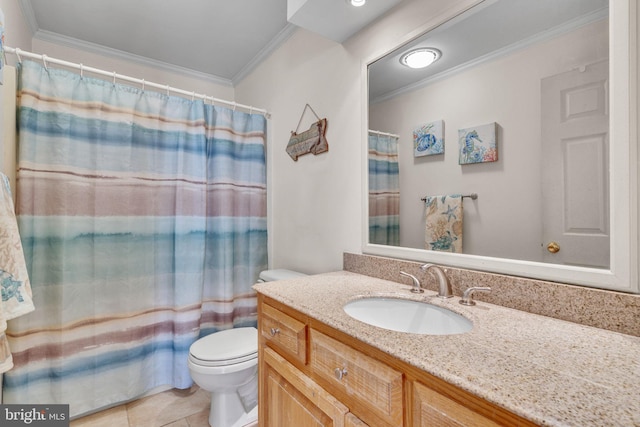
227, 411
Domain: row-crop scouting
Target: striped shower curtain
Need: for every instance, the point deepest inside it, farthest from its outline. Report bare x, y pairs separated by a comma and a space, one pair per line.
143, 221
384, 190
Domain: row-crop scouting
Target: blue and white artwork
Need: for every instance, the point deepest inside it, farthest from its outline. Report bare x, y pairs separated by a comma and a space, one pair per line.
429, 139
478, 144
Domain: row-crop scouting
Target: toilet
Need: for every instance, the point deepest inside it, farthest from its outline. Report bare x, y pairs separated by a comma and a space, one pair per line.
225, 364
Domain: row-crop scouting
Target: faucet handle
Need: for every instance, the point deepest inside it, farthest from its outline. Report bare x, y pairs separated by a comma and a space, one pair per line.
417, 288
467, 295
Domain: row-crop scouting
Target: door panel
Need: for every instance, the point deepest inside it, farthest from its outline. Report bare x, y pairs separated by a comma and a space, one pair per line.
575, 167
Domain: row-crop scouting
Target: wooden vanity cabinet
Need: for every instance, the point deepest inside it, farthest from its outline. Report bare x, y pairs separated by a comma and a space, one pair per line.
287, 395
313, 375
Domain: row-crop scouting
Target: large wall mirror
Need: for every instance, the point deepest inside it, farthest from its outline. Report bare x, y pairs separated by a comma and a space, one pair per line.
514, 151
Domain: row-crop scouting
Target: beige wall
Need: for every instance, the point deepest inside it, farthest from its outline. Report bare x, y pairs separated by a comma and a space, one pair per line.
17, 32
315, 203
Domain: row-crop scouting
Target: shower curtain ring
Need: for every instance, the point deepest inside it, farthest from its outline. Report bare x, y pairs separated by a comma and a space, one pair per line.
81, 71
143, 85
193, 96
18, 55
167, 90
44, 62
114, 78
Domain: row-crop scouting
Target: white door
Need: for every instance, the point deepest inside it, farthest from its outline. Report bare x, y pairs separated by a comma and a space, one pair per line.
575, 167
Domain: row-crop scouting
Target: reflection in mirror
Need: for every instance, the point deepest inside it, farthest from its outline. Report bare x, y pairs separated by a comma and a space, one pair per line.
515, 109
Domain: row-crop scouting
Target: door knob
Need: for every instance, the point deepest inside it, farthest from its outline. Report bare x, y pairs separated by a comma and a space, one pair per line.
553, 247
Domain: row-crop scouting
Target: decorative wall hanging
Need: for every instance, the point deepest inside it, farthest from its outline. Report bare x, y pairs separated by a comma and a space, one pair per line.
478, 144
429, 139
310, 141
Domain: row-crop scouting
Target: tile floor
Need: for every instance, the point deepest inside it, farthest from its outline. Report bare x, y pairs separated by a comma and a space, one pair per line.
172, 408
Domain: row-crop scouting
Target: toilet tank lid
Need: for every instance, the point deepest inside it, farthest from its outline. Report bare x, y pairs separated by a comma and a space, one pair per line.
279, 274
226, 345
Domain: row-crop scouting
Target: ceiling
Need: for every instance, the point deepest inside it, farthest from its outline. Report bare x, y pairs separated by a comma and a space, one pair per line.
221, 40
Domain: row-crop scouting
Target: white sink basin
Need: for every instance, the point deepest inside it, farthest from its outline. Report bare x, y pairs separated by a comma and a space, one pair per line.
407, 316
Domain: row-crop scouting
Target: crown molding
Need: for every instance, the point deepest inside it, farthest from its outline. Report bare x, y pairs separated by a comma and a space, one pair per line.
272, 46
72, 42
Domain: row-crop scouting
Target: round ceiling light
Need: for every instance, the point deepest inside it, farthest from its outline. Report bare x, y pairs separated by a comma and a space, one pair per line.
357, 3
421, 57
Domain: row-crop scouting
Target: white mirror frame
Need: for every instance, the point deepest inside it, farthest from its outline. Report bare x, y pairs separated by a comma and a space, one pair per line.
623, 272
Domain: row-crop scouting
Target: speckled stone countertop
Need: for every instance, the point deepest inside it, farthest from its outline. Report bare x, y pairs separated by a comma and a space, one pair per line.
549, 371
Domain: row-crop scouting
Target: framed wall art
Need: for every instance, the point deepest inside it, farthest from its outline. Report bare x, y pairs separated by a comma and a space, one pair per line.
429, 139
478, 144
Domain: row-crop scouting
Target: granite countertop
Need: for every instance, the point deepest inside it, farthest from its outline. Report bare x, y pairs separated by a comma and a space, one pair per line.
549, 371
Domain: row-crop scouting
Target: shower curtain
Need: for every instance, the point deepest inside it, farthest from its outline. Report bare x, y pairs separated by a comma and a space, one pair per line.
143, 220
384, 190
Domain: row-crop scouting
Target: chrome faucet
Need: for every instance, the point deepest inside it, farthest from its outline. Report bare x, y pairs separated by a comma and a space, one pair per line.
444, 287
417, 288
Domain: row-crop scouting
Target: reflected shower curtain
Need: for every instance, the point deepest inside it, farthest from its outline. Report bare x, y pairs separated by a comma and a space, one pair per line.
143, 220
384, 190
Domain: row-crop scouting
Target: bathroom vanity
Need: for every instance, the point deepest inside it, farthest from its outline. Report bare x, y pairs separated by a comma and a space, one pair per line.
318, 366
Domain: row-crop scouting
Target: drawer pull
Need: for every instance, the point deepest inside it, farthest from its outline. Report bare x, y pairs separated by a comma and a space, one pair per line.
275, 331
340, 373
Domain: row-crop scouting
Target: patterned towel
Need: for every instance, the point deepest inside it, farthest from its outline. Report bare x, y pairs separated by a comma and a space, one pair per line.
444, 223
14, 280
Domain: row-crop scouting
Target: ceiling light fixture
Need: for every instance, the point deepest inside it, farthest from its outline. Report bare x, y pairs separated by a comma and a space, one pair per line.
357, 3
420, 57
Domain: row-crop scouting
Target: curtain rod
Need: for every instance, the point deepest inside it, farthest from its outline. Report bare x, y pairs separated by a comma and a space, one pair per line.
377, 132
46, 60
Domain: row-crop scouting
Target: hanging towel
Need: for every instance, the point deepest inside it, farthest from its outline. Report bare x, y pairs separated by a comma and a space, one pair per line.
444, 223
14, 280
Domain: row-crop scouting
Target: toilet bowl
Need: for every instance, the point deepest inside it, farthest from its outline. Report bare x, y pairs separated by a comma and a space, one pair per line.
225, 364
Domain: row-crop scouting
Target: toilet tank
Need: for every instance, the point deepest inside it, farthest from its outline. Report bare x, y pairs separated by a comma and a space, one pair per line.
278, 274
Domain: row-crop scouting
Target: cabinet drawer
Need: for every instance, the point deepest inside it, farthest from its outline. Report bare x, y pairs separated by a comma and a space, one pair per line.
285, 332
372, 384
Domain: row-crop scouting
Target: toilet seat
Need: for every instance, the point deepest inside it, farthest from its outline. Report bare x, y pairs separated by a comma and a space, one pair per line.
225, 348
278, 274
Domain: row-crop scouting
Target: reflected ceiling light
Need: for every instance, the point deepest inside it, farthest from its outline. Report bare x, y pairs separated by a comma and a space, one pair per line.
420, 57
357, 3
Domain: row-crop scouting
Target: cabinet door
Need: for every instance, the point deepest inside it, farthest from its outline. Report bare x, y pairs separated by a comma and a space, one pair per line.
293, 399
430, 409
